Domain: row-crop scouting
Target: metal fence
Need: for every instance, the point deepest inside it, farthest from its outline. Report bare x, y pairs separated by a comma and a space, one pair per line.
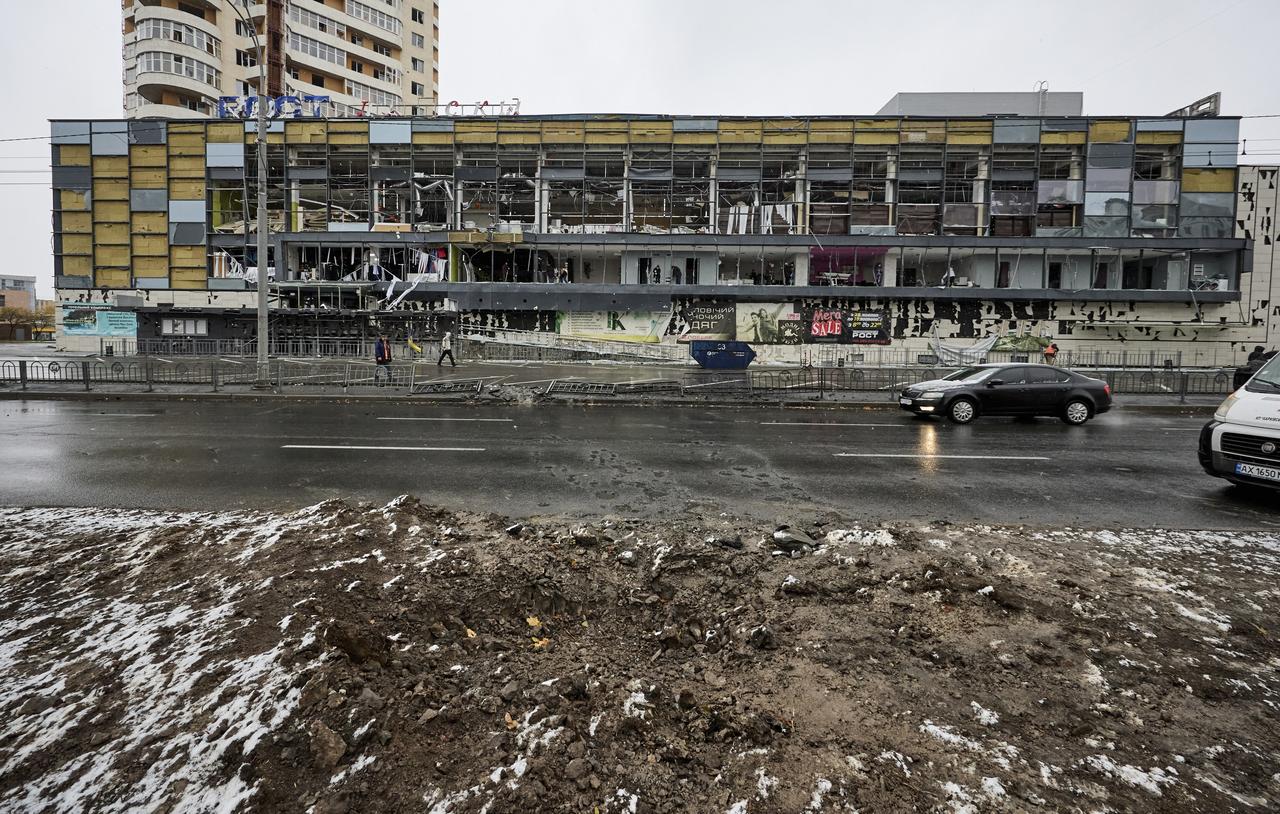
219, 374
885, 382
859, 357
421, 377
543, 346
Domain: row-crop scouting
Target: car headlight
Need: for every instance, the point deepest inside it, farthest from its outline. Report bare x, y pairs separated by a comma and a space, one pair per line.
932, 394
1221, 413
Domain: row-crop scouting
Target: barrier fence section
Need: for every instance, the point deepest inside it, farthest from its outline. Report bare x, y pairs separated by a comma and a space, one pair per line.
422, 377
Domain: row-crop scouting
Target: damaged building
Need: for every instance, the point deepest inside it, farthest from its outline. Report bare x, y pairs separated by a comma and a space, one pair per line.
1027, 222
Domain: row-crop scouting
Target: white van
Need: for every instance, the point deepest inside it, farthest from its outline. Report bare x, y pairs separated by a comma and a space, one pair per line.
1242, 442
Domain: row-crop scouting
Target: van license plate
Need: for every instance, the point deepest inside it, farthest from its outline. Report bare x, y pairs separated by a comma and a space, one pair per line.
1264, 472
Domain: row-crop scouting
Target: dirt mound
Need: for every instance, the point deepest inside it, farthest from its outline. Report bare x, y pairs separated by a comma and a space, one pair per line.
403, 658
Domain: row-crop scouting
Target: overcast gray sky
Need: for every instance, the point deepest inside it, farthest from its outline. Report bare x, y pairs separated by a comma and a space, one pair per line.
733, 57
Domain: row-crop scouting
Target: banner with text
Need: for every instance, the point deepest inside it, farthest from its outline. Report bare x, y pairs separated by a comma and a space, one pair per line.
89, 319
710, 321
761, 323
620, 326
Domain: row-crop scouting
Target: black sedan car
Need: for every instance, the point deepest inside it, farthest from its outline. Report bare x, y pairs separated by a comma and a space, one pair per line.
1019, 389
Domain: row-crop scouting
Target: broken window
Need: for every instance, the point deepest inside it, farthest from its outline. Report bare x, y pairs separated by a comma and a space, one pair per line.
433, 187
227, 210
391, 169
691, 192
604, 190
478, 189
349, 184
518, 187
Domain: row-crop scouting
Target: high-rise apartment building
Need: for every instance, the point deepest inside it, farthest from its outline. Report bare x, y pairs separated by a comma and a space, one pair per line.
180, 56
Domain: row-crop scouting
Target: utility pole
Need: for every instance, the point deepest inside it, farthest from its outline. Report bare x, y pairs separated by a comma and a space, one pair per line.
262, 381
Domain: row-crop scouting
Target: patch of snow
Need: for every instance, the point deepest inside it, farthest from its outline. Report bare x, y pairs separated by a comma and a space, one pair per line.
820, 790
1150, 780
763, 783
983, 715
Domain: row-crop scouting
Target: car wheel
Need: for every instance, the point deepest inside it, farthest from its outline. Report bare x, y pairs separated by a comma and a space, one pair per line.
962, 411
1076, 412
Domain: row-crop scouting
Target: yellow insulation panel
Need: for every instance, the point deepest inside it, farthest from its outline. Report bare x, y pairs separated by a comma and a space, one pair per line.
148, 155
873, 137
1110, 131
188, 278
112, 278
186, 190
111, 234
1062, 138
150, 223
151, 246
348, 138
693, 137
433, 138
74, 155
111, 166
741, 132
187, 166
111, 211
968, 138
110, 191
305, 132
187, 256
77, 222
146, 178
1158, 138
111, 255
73, 200
150, 267
226, 132
77, 244
77, 266
1208, 180
559, 132
875, 124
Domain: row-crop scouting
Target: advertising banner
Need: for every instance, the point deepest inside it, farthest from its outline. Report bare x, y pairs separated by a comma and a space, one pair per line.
620, 326
867, 328
791, 329
713, 321
89, 319
826, 325
760, 322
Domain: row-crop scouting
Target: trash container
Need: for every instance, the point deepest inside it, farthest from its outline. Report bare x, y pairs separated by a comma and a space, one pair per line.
722, 355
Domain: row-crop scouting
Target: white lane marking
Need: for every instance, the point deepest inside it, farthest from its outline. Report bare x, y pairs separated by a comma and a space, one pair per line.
397, 449
1180, 429
830, 424
930, 456
433, 418
118, 415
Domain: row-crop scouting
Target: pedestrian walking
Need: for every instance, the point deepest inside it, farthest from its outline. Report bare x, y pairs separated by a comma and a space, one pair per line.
382, 358
1258, 352
1051, 353
446, 349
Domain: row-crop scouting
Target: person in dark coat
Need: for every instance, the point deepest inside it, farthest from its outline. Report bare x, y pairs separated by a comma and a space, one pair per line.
382, 358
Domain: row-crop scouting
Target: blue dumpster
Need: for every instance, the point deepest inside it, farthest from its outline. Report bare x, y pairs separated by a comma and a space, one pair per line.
722, 355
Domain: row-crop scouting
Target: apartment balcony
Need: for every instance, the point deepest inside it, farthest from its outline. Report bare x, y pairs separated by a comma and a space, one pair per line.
142, 12
150, 110
153, 83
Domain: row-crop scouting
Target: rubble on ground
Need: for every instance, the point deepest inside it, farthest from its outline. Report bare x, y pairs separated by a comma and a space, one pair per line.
348, 658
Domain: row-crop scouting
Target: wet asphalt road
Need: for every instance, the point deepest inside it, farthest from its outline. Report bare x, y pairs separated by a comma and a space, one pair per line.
1122, 469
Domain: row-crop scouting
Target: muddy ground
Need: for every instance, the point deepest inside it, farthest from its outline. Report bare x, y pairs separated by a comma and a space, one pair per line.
402, 658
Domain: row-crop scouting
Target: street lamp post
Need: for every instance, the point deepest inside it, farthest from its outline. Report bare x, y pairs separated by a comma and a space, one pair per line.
262, 380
